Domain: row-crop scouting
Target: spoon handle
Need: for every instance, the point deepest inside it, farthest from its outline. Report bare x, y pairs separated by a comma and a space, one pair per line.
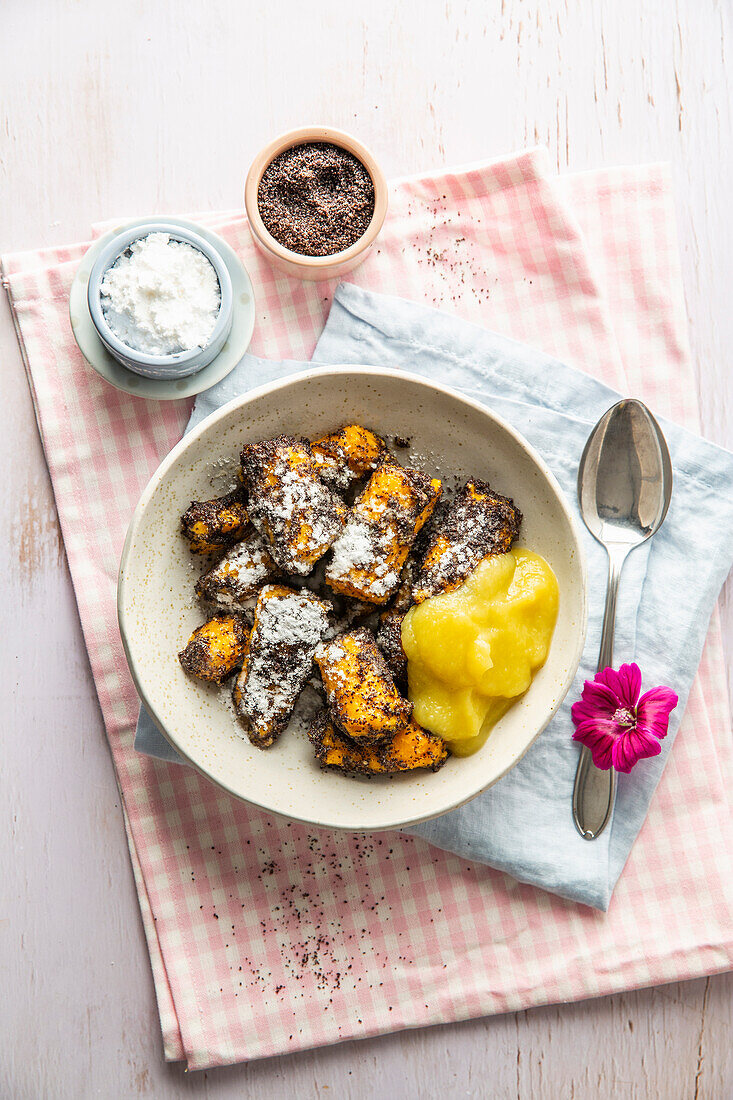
595, 790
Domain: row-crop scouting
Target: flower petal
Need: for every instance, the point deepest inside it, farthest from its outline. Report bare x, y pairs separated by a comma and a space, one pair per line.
600, 698
624, 683
602, 754
628, 749
584, 712
654, 710
599, 736
622, 756
643, 743
592, 731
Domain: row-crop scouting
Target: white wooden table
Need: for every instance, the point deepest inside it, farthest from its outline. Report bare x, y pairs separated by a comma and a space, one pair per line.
138, 108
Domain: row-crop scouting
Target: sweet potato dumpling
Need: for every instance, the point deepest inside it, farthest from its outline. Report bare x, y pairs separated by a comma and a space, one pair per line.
291, 507
216, 649
411, 748
288, 625
360, 688
345, 456
370, 552
214, 525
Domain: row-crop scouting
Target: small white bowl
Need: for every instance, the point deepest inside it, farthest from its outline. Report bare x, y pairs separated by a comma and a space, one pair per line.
182, 363
450, 435
113, 372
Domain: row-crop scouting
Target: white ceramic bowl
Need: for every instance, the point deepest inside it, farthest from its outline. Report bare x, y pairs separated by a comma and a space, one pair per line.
157, 609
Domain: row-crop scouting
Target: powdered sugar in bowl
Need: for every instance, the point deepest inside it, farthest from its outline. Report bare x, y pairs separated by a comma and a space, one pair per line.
160, 298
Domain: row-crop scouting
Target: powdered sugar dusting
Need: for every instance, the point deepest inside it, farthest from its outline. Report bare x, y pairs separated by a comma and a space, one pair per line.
309, 702
354, 549
289, 624
291, 507
368, 555
301, 496
365, 547
335, 473
235, 579
332, 654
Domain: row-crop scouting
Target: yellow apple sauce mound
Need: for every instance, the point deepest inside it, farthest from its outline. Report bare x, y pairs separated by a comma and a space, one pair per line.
473, 651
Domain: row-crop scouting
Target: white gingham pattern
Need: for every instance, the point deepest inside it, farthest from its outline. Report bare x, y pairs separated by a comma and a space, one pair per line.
268, 937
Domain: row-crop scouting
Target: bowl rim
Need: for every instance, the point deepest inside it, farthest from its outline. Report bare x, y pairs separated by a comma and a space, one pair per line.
108, 256
304, 376
308, 135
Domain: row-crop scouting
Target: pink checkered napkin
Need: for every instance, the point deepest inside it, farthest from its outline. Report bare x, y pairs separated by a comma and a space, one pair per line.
267, 937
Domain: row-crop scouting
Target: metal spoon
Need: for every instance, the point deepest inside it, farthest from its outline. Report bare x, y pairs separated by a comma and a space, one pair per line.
624, 489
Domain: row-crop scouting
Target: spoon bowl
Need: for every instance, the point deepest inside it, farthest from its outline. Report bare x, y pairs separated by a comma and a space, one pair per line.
625, 476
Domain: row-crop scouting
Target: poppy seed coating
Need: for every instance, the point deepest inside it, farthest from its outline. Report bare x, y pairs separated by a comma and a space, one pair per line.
316, 199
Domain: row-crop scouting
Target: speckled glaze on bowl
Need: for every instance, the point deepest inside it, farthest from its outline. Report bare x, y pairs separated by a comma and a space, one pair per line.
450, 435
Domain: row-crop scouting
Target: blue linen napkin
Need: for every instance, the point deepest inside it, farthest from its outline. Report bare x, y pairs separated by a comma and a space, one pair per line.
523, 825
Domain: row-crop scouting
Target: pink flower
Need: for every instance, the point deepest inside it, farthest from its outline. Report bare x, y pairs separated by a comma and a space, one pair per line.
618, 727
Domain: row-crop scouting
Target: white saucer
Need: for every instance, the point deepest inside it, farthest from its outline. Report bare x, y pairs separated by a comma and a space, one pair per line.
164, 389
